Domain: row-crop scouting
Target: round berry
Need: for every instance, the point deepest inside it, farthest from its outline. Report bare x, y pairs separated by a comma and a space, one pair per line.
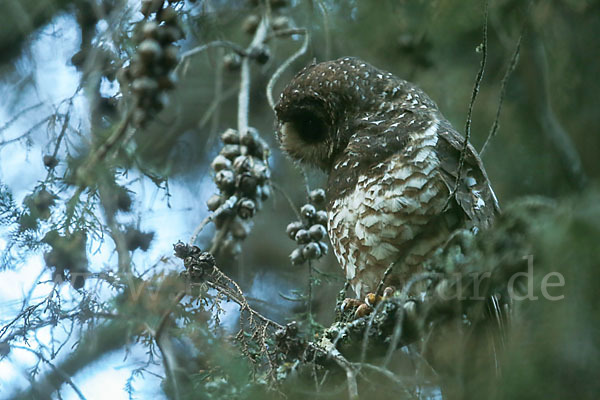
302, 236
149, 50
249, 139
317, 232
170, 55
220, 162
231, 151
261, 54
50, 161
247, 208
144, 85
280, 22
232, 62
259, 149
296, 257
247, 184
260, 171
169, 34
214, 202
311, 251
308, 211
321, 217
250, 24
317, 196
242, 163
293, 228
149, 29
168, 15
225, 180
149, 7
230, 136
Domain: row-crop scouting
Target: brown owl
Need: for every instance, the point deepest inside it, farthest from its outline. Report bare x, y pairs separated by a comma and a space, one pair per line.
392, 161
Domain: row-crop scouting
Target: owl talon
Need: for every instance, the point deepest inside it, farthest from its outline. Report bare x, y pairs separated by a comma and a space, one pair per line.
363, 310
372, 299
350, 304
388, 292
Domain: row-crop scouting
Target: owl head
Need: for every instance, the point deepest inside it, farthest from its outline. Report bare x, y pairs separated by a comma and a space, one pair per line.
316, 107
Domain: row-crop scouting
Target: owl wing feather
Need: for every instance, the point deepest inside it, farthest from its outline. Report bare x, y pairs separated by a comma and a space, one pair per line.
474, 194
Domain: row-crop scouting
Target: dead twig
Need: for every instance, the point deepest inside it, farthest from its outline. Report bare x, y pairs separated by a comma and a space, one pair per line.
551, 126
227, 205
478, 79
509, 71
287, 62
67, 379
185, 56
244, 93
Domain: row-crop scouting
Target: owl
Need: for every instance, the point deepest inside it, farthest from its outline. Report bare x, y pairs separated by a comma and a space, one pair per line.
392, 162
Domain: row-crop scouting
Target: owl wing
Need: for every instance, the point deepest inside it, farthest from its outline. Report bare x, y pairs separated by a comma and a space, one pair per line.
474, 194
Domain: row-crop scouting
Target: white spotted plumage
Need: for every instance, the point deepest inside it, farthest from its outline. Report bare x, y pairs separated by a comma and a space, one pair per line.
369, 225
392, 160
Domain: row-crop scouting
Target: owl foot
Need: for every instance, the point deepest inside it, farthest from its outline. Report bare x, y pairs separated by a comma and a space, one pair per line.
355, 307
363, 308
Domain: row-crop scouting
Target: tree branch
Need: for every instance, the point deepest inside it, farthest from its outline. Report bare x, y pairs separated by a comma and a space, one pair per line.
92, 346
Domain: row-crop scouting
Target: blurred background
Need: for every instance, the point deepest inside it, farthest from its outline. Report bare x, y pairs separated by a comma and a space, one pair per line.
65, 93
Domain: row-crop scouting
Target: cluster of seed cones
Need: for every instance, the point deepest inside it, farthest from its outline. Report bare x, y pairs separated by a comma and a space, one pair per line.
309, 232
242, 177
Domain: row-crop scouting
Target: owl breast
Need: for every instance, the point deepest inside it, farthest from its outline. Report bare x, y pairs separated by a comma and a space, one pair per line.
391, 215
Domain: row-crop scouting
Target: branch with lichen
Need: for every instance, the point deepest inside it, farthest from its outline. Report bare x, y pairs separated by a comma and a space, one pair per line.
460, 278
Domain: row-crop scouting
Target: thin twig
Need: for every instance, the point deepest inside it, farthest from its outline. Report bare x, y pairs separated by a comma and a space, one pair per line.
350, 372
218, 238
511, 67
476, 87
551, 126
286, 64
385, 372
396, 335
218, 98
59, 371
288, 198
170, 362
418, 278
27, 133
310, 291
167, 313
365, 340
108, 145
19, 115
217, 43
244, 93
286, 32
387, 272
227, 205
59, 139
237, 296
326, 29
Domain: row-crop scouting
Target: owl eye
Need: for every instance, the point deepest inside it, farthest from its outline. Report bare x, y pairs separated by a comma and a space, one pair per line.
308, 126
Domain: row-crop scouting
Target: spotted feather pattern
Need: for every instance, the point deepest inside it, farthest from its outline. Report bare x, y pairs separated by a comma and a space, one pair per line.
392, 160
